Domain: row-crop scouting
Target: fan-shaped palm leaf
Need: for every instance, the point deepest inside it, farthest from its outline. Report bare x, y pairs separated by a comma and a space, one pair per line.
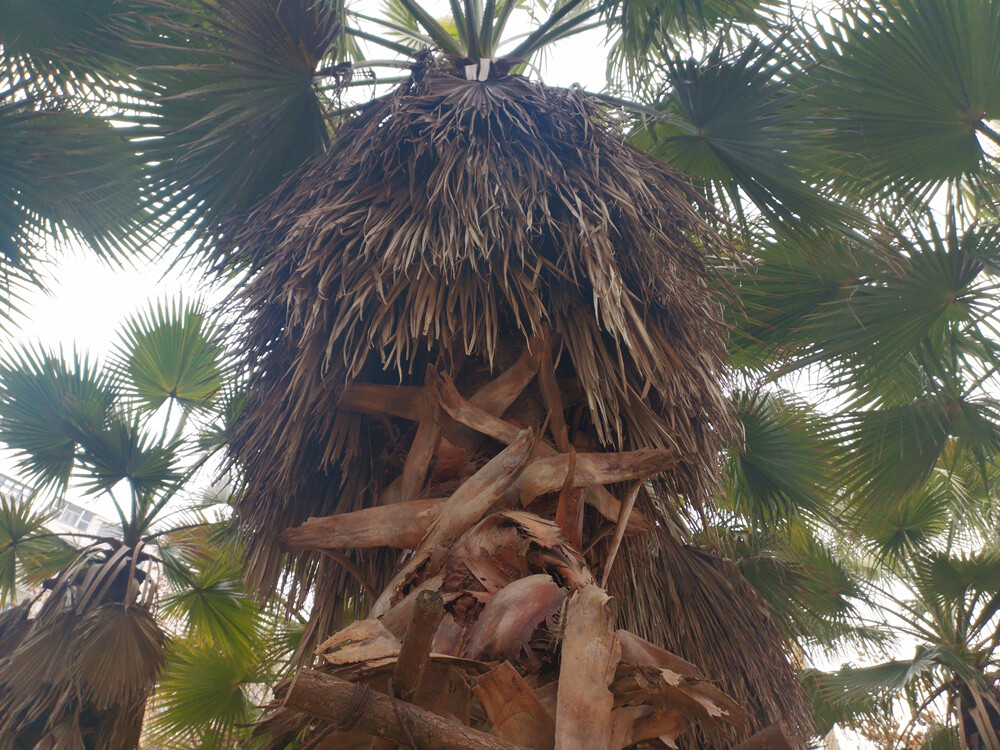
894, 449
778, 472
28, 553
203, 696
171, 351
210, 600
236, 106
121, 450
47, 406
927, 317
736, 121
911, 88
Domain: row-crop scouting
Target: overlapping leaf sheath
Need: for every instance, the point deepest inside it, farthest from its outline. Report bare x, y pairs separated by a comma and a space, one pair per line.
476, 326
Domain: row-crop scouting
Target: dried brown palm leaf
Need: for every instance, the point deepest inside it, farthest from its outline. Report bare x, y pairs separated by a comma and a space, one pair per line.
451, 221
700, 607
137, 643
85, 661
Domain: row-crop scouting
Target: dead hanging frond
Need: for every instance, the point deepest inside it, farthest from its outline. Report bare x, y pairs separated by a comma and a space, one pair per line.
451, 222
86, 660
700, 607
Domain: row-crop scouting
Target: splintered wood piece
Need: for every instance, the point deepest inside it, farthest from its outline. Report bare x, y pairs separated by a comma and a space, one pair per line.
512, 709
623, 516
546, 475
416, 649
400, 526
404, 401
775, 737
458, 513
590, 653
350, 707
363, 641
415, 653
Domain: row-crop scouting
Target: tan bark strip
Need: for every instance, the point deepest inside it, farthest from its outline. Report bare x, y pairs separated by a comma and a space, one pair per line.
513, 710
351, 706
458, 513
775, 737
469, 415
562, 509
404, 401
624, 513
548, 474
634, 724
496, 396
553, 399
401, 526
421, 453
415, 653
590, 654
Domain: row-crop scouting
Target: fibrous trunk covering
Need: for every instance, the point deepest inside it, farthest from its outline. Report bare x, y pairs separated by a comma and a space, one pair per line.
480, 329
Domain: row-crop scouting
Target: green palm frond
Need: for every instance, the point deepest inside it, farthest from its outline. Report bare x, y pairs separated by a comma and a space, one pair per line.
927, 317
897, 524
841, 711
210, 600
893, 450
780, 470
122, 450
64, 176
28, 553
910, 90
856, 682
64, 50
236, 104
812, 595
171, 351
48, 404
204, 695
738, 123
645, 25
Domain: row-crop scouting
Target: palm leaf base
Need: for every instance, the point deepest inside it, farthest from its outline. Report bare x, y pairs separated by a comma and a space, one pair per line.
524, 650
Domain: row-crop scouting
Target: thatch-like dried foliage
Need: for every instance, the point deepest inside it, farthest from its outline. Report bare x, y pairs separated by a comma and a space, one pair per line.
451, 221
81, 662
476, 265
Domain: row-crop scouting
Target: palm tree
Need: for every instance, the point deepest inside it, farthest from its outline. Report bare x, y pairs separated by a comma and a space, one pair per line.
946, 603
394, 347
161, 571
